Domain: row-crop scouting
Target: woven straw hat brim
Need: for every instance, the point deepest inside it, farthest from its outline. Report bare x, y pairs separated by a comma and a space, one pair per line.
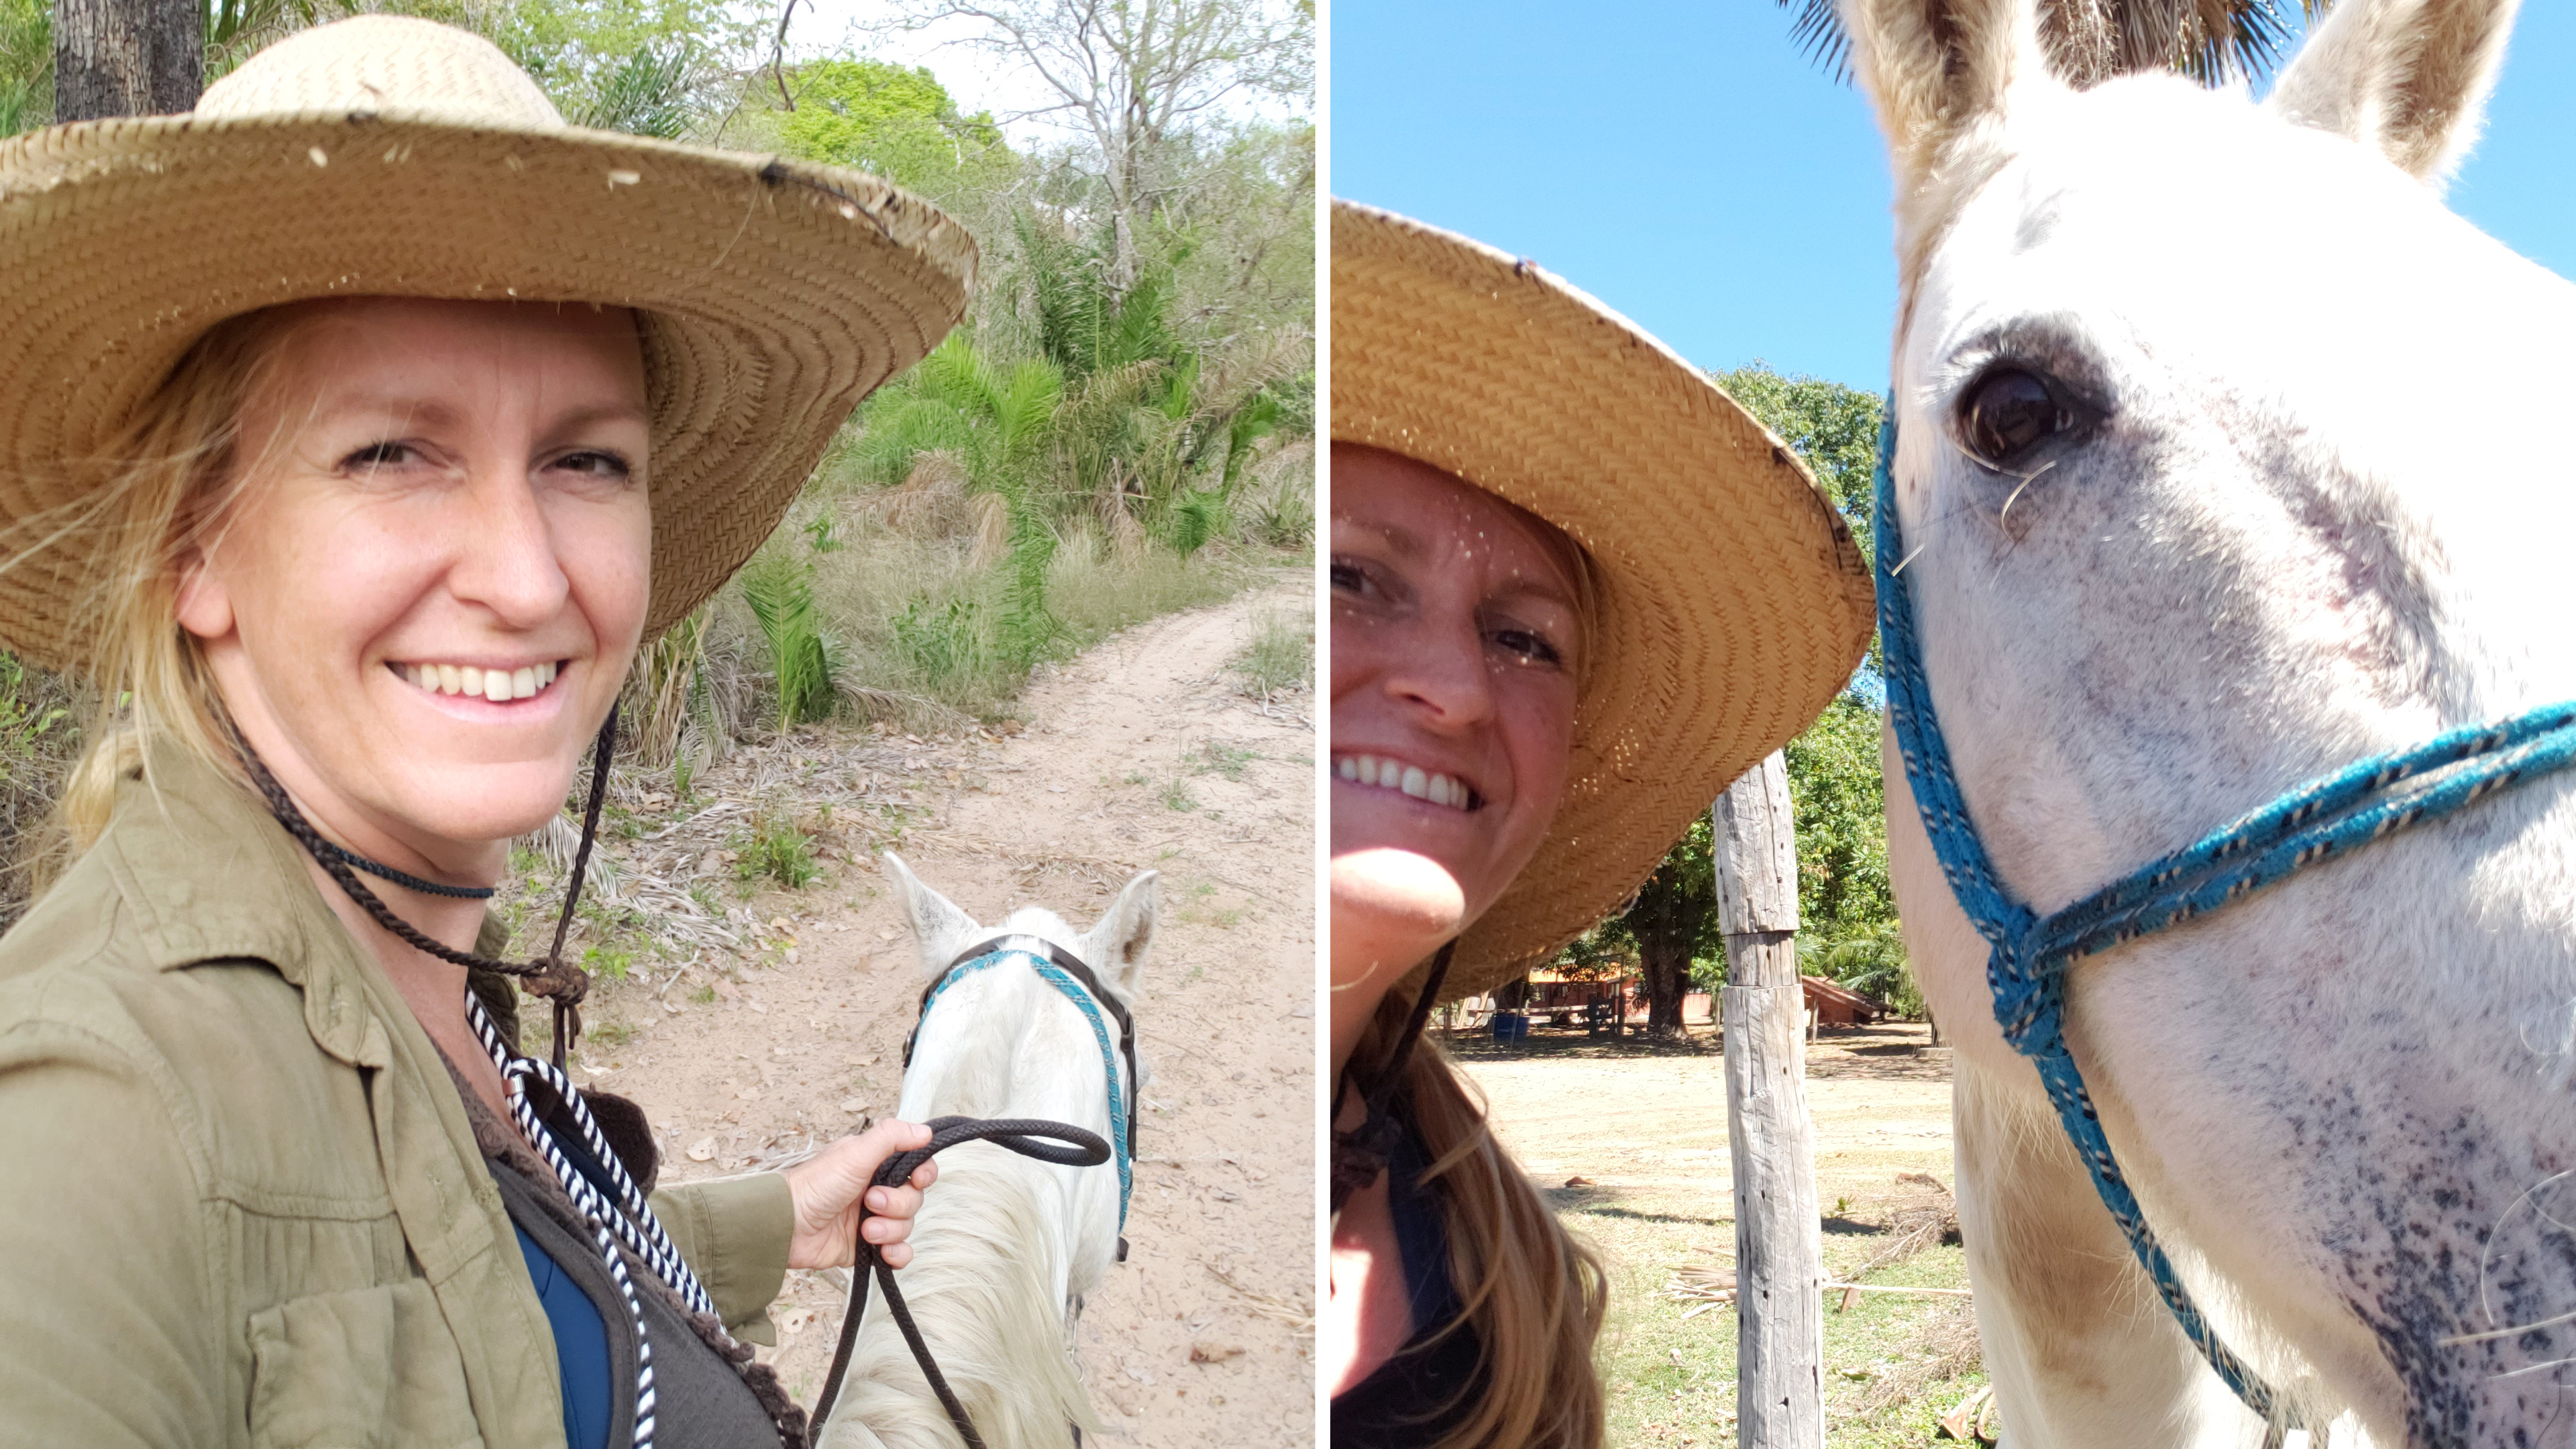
1733, 604
777, 294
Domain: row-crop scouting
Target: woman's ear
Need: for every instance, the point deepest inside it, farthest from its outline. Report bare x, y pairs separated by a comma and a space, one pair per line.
205, 605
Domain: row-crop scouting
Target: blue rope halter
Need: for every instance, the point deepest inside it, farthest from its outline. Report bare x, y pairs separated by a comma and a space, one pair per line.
1122, 1128
2029, 953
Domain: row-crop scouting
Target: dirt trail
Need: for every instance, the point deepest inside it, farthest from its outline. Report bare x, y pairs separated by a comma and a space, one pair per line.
1141, 753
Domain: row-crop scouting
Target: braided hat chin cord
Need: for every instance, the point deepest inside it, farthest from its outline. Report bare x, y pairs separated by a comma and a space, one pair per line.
1361, 1153
550, 976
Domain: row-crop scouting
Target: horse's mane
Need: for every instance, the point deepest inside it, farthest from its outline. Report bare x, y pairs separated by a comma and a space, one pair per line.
992, 1319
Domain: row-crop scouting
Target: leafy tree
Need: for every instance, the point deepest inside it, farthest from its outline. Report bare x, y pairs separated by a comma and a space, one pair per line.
1667, 932
1673, 920
576, 48
894, 121
1840, 804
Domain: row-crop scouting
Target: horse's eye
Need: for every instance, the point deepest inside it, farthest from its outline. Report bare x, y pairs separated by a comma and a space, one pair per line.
2009, 412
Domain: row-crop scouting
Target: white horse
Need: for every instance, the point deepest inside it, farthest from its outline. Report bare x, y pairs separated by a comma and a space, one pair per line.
1005, 1246
2229, 456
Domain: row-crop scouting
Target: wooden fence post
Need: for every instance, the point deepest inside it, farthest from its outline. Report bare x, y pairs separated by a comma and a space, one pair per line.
1779, 1257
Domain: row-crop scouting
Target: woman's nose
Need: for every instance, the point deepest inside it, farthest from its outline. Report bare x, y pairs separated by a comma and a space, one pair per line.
506, 556
1443, 675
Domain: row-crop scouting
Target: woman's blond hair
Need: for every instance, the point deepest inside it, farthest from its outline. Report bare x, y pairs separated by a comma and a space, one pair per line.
1534, 1294
147, 502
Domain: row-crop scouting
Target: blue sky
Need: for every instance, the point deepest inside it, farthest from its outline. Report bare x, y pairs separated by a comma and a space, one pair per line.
1687, 165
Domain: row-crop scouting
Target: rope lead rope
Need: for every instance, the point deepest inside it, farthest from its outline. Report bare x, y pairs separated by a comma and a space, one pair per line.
2028, 954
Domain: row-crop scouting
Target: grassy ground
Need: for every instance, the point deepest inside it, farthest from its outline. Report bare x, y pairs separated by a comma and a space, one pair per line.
1632, 1139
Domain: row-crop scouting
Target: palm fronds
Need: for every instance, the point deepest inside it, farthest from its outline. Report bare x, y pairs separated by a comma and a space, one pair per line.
653, 92
2211, 41
780, 591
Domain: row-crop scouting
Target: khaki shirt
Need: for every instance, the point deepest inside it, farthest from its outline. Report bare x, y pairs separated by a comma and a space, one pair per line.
240, 1203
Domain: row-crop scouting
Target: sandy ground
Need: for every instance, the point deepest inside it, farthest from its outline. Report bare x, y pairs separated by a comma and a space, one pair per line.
1140, 754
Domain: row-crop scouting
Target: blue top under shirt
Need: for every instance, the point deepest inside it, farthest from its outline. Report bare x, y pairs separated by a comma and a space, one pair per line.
581, 1335
581, 1347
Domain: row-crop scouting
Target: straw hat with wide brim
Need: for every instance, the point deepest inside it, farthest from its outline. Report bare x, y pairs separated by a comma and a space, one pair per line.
382, 156
1732, 603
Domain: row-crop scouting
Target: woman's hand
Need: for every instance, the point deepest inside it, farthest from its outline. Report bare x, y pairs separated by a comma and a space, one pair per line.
835, 1199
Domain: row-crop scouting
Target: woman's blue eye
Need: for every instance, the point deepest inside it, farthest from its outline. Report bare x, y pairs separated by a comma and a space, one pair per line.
606, 465
1529, 644
379, 455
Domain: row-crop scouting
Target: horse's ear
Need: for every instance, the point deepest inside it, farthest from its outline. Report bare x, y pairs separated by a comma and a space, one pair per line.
1937, 70
939, 928
2408, 78
1117, 943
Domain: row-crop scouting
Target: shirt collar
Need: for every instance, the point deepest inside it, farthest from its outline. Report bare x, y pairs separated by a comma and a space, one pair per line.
209, 875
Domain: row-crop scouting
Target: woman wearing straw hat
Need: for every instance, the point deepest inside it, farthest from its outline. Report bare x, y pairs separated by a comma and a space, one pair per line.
354, 430
1576, 590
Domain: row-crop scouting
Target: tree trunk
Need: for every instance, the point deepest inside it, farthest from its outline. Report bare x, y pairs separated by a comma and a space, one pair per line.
1663, 958
1779, 1253
127, 57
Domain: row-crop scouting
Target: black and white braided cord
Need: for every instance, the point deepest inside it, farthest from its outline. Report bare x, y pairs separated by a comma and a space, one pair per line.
629, 1221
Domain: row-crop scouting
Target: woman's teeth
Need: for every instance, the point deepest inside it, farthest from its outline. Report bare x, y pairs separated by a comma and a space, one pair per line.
497, 685
1411, 779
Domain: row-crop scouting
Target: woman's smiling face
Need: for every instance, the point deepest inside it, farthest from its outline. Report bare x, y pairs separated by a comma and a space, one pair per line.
424, 595
1457, 631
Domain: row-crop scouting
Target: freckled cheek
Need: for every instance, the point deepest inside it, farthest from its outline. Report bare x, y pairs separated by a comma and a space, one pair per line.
609, 561
1538, 733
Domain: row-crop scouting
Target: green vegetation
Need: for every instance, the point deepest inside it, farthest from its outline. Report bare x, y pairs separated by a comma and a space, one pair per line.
780, 593
776, 850
1219, 758
610, 961
38, 738
894, 121
1281, 657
